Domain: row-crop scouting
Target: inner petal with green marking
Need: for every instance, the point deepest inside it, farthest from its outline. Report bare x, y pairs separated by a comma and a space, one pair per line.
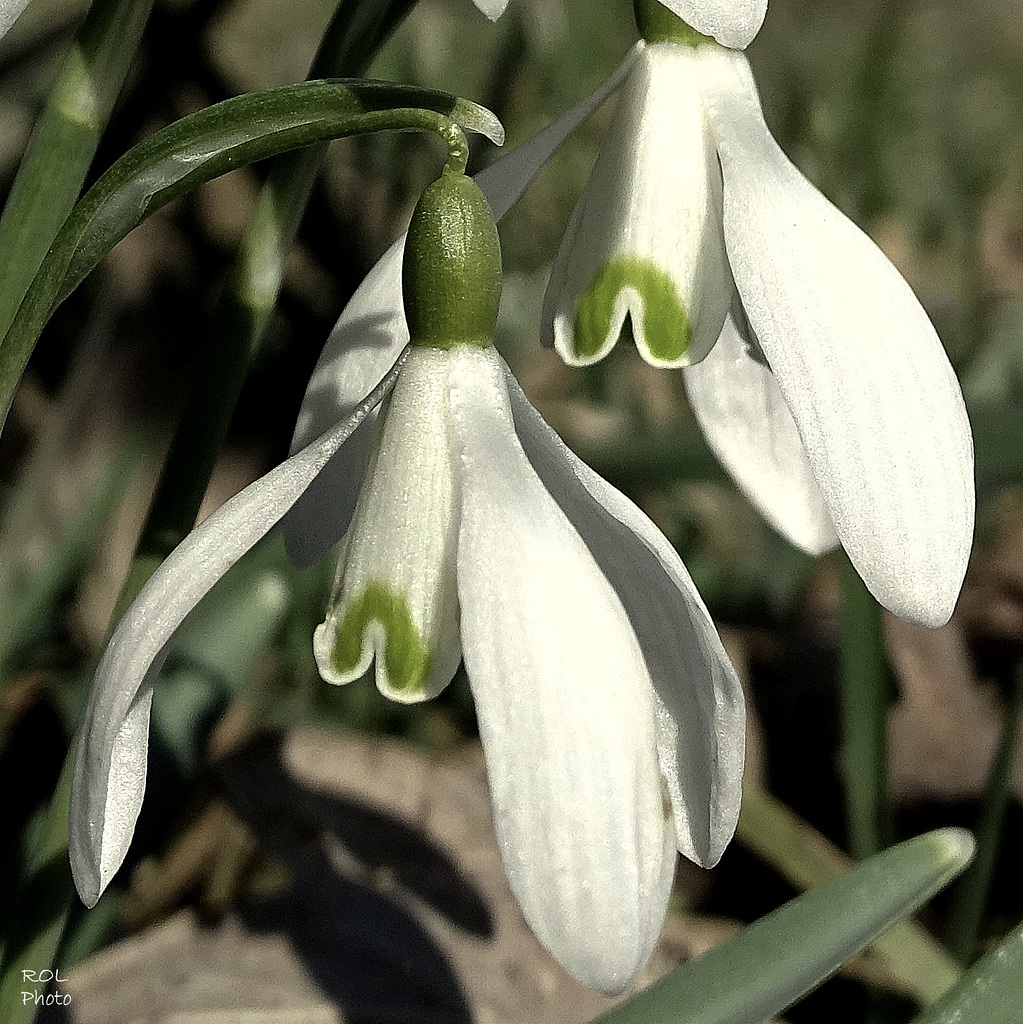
637, 287
395, 599
406, 656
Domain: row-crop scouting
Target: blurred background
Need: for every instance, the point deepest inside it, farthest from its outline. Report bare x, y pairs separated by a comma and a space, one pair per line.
292, 827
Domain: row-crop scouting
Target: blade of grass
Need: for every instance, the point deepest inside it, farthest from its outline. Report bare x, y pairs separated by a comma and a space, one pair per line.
34, 603
990, 993
44, 904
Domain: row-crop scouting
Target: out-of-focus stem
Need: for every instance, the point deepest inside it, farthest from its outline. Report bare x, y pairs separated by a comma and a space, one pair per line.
971, 893
864, 700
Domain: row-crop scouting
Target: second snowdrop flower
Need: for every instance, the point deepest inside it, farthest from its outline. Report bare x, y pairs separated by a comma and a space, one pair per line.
813, 370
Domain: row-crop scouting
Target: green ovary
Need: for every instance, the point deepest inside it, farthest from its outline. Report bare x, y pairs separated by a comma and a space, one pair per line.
406, 655
666, 327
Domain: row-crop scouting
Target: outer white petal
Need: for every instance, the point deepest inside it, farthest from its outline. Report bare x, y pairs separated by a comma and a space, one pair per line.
504, 181
701, 712
110, 764
9, 12
858, 363
493, 9
653, 195
732, 23
749, 427
564, 704
372, 331
365, 342
403, 540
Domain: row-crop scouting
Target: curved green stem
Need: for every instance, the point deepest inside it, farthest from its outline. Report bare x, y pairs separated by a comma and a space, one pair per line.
865, 695
245, 305
203, 146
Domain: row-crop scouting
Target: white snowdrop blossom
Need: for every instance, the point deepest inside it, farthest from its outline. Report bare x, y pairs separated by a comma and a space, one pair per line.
814, 372
611, 720
731, 22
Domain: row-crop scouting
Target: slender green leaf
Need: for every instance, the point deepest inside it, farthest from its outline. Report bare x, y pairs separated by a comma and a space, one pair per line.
908, 954
28, 607
781, 957
43, 906
64, 142
990, 993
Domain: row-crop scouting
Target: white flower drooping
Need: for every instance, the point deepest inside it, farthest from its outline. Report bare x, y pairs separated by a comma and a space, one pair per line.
814, 372
611, 720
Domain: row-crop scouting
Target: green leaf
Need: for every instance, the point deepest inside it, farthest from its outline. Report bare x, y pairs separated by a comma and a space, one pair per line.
64, 142
203, 146
774, 961
906, 953
990, 993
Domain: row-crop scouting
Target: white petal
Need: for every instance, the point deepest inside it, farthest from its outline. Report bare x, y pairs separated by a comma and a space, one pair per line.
748, 426
9, 12
701, 712
858, 363
504, 181
398, 566
732, 23
372, 331
493, 9
649, 216
363, 346
110, 764
564, 705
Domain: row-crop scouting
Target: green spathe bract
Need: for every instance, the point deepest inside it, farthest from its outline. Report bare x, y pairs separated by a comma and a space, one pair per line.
666, 327
657, 24
451, 274
406, 654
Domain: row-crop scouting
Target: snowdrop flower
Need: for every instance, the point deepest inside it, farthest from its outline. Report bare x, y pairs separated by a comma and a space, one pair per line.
823, 386
611, 719
730, 22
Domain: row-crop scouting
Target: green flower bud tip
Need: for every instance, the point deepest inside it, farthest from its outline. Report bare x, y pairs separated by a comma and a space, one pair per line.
666, 327
657, 24
451, 275
406, 655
